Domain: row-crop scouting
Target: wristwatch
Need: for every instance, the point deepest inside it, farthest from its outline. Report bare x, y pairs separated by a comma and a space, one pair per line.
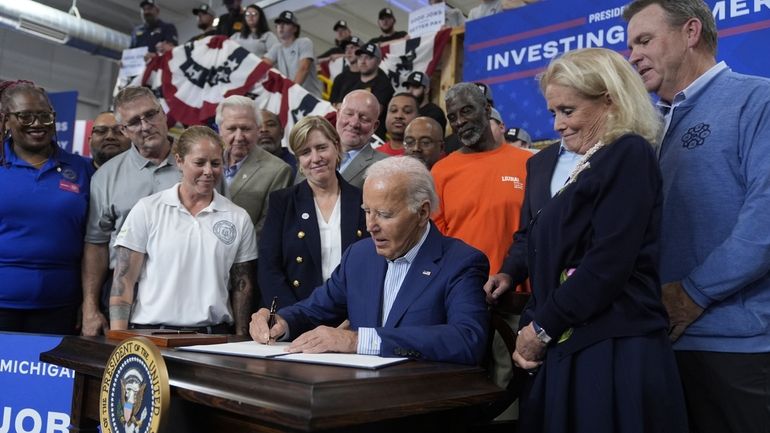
540, 333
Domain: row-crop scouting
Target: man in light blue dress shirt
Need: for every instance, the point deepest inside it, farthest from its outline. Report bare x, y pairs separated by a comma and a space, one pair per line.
408, 291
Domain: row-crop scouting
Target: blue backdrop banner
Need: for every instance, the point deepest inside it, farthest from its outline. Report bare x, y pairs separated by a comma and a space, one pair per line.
507, 50
65, 104
34, 396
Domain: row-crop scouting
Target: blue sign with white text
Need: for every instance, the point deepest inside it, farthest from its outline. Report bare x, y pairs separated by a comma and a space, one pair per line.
34, 396
508, 50
65, 104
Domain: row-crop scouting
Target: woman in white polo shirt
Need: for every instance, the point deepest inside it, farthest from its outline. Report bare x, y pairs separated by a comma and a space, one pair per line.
191, 250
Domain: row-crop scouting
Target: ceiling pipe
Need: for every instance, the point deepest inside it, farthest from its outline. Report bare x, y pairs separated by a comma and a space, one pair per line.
57, 26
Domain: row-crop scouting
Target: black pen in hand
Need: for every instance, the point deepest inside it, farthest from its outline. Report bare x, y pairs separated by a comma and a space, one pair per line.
271, 317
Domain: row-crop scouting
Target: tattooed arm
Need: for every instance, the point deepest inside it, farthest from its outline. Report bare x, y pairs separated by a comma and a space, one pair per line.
241, 291
127, 269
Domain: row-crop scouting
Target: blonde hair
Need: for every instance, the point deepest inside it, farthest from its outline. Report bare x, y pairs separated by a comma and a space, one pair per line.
193, 135
302, 129
596, 72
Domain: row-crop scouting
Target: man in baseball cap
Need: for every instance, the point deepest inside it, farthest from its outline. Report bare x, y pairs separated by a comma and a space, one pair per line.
205, 21
418, 84
518, 137
342, 34
153, 30
375, 80
347, 79
294, 57
387, 21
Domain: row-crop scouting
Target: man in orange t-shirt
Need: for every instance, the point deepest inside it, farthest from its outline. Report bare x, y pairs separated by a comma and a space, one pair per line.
481, 191
481, 185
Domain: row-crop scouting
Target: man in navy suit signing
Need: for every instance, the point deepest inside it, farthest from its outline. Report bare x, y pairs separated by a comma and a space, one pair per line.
408, 291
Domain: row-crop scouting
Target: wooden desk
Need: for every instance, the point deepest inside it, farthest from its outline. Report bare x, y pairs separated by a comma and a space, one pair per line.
215, 393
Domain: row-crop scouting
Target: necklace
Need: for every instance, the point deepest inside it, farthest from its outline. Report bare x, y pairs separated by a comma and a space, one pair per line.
583, 164
39, 164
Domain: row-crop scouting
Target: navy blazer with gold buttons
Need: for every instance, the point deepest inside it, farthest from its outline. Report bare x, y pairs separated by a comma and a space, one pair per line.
290, 247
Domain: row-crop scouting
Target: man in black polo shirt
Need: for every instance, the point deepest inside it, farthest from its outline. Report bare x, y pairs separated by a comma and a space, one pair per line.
349, 77
375, 80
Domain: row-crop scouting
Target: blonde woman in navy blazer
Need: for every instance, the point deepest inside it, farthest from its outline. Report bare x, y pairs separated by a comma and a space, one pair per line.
290, 250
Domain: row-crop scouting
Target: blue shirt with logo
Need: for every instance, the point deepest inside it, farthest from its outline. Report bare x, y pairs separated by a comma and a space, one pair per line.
42, 225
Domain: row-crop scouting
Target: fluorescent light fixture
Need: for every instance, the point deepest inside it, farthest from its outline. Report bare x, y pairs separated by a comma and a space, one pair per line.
42, 31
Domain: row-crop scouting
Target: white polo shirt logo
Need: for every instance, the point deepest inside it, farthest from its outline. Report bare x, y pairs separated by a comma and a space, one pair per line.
225, 231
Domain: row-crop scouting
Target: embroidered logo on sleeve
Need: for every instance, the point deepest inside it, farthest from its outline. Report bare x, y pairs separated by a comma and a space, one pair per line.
225, 231
696, 136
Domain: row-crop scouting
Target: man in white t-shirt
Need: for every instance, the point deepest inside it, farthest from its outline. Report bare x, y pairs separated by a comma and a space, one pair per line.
294, 56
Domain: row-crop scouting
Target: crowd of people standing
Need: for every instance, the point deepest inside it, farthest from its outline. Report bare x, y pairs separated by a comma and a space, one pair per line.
645, 254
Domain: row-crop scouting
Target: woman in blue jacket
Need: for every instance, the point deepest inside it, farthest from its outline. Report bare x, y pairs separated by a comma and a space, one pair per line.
310, 224
594, 335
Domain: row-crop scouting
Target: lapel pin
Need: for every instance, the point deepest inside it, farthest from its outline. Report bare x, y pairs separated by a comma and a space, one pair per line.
305, 215
426, 272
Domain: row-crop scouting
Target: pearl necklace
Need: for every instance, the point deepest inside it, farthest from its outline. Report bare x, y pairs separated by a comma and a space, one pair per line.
583, 164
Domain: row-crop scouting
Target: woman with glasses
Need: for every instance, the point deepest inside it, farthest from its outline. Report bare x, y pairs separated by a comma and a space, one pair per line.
44, 193
309, 225
255, 35
189, 250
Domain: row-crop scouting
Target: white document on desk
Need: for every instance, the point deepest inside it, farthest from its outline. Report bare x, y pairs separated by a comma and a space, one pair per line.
277, 351
343, 359
251, 349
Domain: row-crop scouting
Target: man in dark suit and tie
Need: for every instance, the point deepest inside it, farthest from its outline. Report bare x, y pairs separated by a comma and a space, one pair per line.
407, 291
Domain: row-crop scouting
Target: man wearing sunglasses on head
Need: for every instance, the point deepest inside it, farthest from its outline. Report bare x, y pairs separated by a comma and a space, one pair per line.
145, 168
43, 207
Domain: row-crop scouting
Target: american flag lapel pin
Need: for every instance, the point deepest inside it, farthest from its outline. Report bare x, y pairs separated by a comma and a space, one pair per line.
426, 273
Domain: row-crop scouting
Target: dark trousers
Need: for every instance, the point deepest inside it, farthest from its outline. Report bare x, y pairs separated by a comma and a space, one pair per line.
60, 320
726, 392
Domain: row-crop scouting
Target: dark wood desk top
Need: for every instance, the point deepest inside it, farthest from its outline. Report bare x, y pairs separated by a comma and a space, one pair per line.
297, 396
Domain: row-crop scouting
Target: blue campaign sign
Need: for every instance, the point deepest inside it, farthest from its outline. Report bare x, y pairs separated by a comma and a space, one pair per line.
35, 397
508, 50
65, 104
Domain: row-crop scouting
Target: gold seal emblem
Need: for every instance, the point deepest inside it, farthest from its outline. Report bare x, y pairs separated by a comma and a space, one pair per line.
135, 392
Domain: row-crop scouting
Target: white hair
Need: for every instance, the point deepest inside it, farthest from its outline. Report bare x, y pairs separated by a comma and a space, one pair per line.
419, 186
237, 101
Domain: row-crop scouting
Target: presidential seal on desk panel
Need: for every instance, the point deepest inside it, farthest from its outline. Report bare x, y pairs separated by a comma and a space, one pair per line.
135, 392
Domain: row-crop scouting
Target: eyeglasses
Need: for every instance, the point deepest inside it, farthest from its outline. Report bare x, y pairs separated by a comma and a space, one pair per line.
250, 14
423, 144
27, 118
103, 130
149, 116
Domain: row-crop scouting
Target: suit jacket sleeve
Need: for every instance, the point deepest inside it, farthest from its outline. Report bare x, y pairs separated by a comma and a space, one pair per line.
462, 339
281, 180
327, 304
515, 262
271, 276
